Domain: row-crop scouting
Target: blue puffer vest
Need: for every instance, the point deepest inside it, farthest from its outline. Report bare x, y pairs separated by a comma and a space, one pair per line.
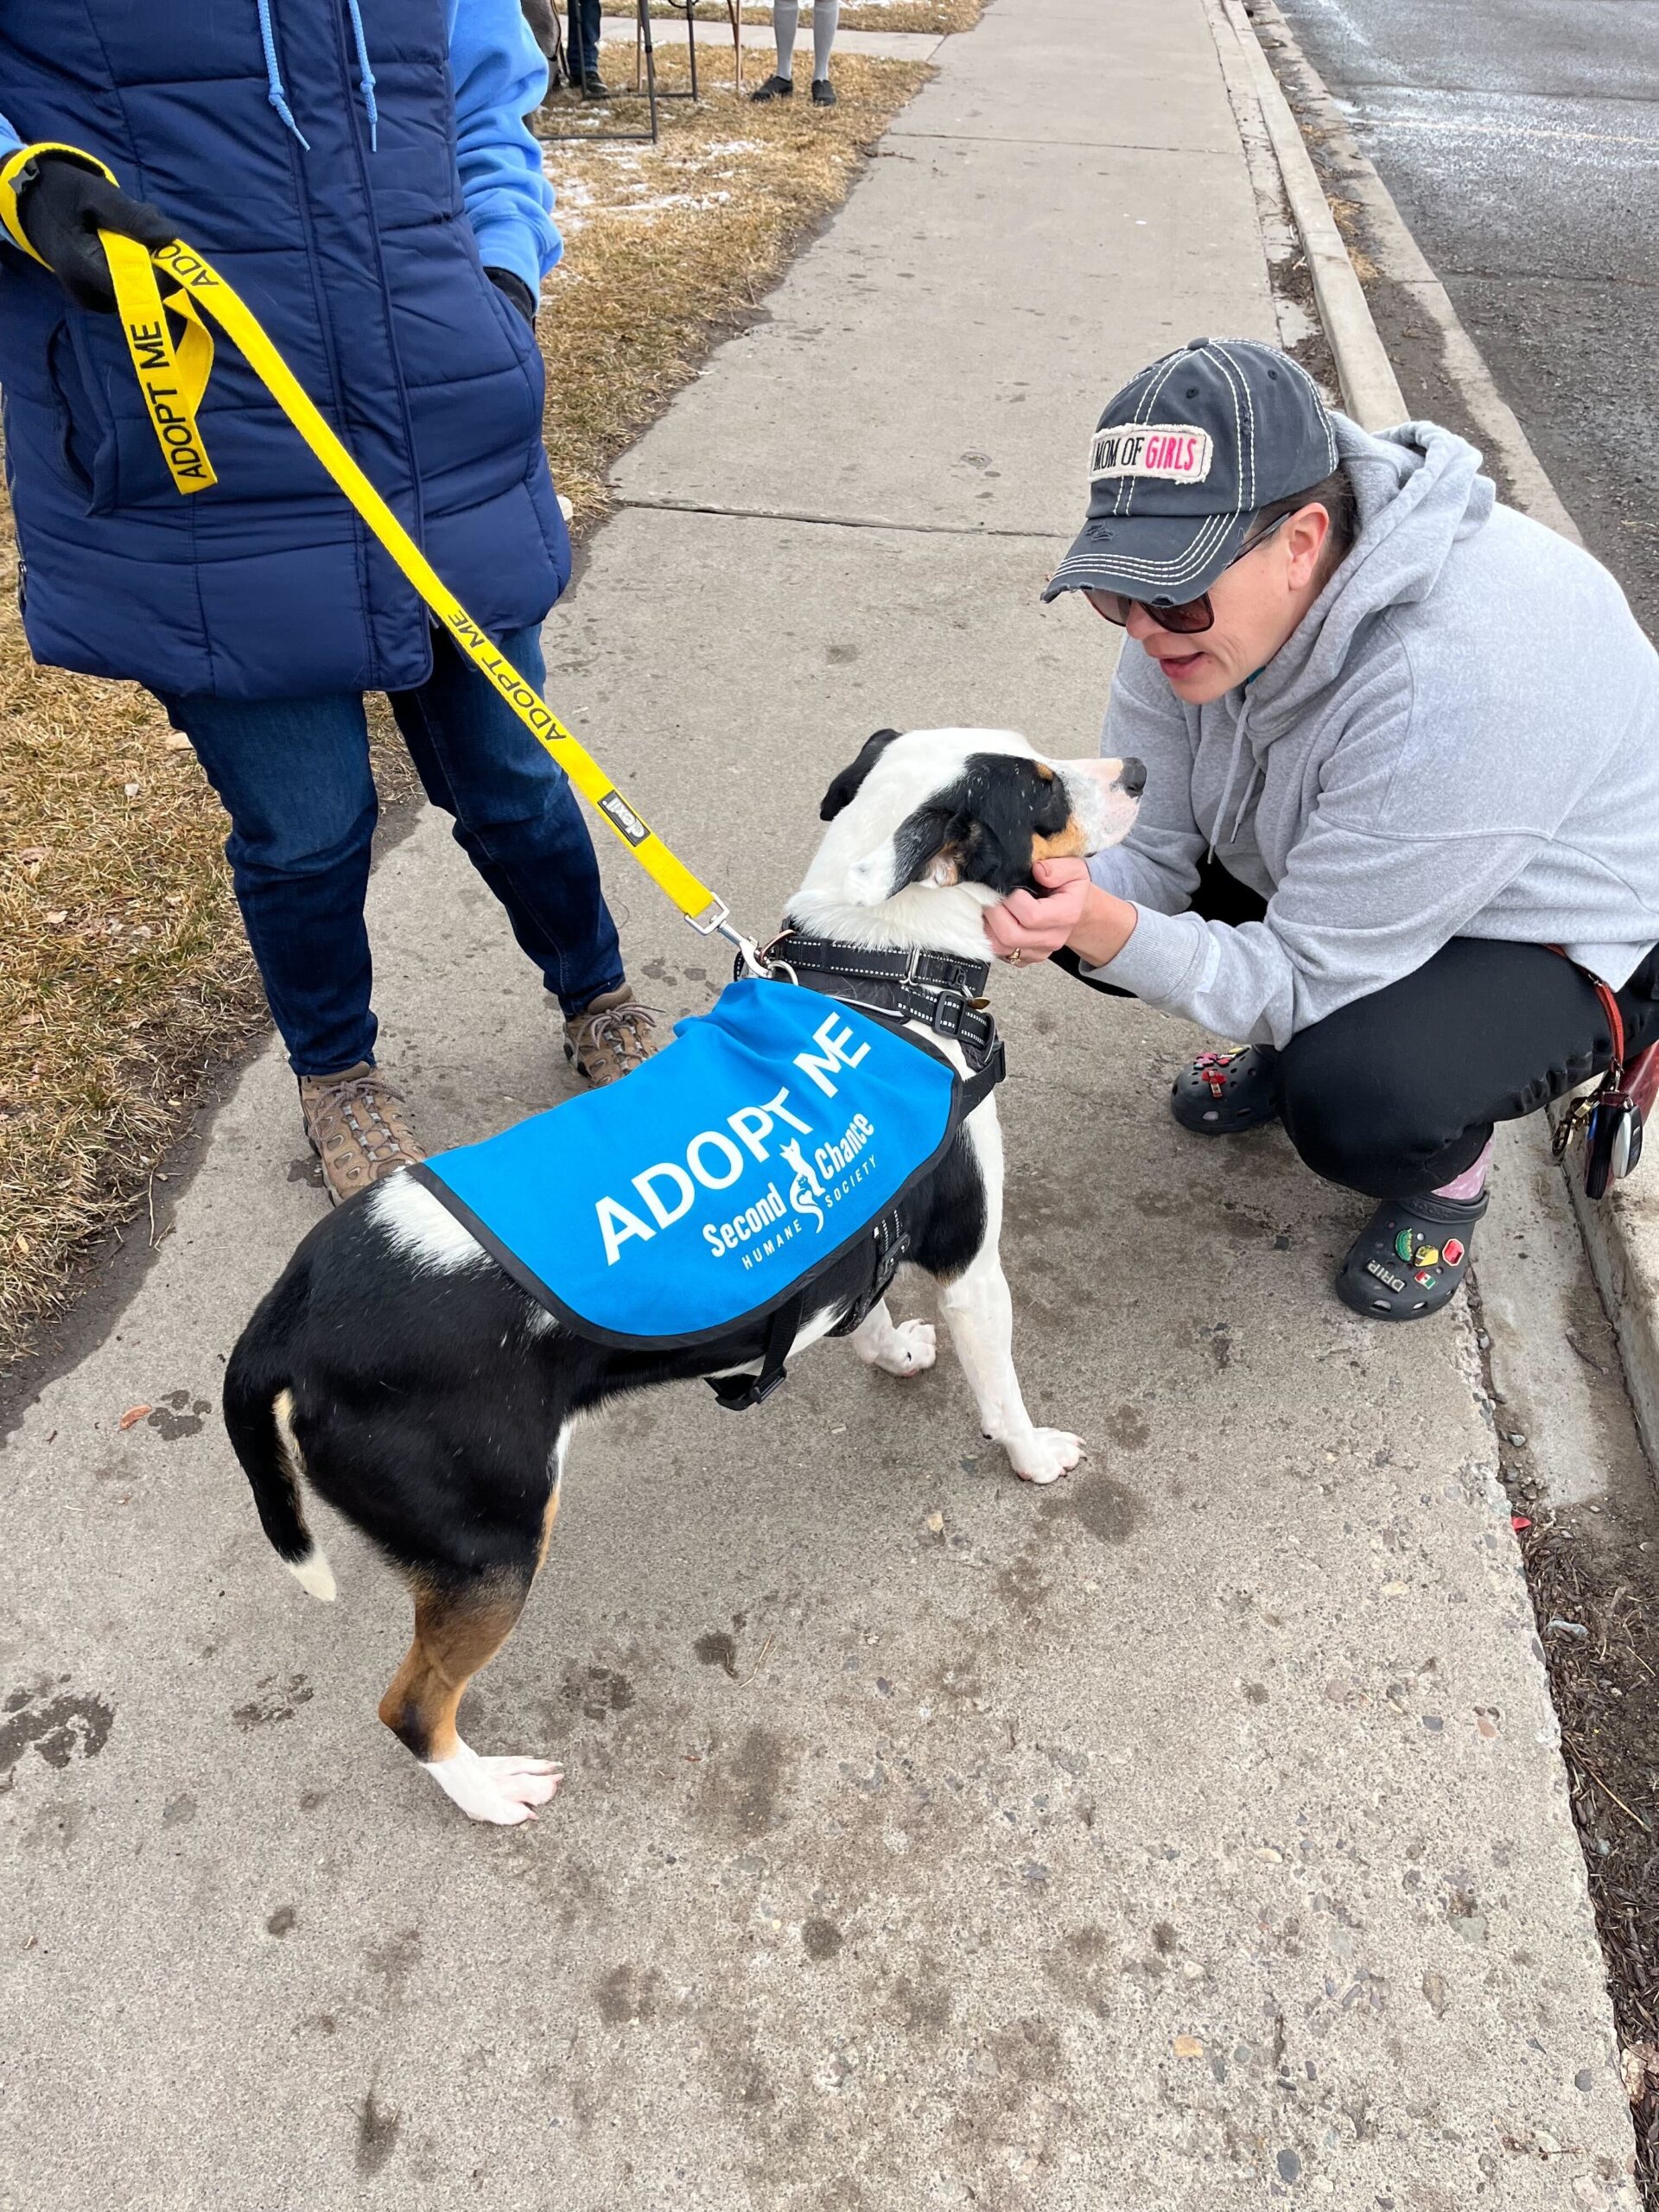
363, 267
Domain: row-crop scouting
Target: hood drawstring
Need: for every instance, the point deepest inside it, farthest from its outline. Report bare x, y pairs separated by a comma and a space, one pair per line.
365, 75
277, 96
274, 91
1239, 728
1253, 783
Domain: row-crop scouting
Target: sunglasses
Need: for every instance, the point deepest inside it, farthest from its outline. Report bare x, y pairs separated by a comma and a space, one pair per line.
1187, 616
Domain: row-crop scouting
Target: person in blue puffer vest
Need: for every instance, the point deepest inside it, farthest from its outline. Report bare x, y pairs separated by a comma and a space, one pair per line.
359, 170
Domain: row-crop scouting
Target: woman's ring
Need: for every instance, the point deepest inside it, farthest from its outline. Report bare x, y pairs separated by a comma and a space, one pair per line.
1014, 958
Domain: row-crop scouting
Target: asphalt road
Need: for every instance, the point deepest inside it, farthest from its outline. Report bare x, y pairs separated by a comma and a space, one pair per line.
1520, 139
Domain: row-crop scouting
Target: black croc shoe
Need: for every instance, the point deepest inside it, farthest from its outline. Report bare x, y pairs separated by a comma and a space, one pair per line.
1221, 1093
775, 88
1410, 1258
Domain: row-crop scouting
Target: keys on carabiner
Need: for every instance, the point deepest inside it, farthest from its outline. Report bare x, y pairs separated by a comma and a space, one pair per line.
1612, 1141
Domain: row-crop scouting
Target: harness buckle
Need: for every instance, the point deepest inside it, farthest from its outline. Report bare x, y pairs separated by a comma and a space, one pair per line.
738, 1394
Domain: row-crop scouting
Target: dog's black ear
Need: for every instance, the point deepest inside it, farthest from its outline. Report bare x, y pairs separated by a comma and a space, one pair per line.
928, 847
846, 786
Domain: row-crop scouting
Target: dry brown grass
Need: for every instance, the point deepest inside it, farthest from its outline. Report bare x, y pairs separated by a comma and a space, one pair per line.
939, 16
125, 968
125, 975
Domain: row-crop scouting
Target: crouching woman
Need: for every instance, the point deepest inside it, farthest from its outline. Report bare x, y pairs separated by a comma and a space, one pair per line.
1400, 834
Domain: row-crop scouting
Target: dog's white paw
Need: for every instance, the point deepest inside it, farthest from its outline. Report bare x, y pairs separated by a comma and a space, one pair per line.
1045, 1455
913, 1350
504, 1791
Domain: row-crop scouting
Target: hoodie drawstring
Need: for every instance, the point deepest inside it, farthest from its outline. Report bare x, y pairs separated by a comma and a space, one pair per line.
365, 75
274, 91
1232, 770
1253, 784
277, 96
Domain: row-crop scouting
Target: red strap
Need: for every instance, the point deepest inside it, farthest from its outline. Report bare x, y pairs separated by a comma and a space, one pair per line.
1609, 1004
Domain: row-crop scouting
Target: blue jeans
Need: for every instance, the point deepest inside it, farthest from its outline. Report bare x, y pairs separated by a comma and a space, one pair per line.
582, 47
294, 777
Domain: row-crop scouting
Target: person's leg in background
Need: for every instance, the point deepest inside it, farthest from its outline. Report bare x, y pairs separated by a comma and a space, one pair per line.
786, 22
293, 775
581, 50
1395, 1097
826, 17
521, 825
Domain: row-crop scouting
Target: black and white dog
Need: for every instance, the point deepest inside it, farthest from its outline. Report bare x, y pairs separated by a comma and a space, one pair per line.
402, 1372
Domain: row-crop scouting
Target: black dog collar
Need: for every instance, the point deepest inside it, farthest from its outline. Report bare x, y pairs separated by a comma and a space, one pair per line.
940, 988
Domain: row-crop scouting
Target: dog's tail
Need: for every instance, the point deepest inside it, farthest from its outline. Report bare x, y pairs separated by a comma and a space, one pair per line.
259, 1415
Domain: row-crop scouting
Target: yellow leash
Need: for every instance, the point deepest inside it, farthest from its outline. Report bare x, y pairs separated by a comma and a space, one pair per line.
173, 378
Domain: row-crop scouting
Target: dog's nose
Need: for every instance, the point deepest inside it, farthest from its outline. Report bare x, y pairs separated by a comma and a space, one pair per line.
1132, 778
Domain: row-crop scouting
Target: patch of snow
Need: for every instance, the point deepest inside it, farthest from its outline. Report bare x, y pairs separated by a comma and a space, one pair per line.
674, 199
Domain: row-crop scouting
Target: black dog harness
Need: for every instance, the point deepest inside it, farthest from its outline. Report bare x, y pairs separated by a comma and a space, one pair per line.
895, 988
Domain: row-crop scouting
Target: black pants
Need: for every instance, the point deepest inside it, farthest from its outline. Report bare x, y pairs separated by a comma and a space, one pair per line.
1396, 1094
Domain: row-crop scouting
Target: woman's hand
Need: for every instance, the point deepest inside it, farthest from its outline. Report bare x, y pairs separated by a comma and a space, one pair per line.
1070, 909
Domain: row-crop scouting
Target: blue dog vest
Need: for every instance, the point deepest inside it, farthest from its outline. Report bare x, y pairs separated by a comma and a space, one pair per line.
755, 1150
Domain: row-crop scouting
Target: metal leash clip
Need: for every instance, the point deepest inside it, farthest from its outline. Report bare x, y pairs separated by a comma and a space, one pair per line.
715, 920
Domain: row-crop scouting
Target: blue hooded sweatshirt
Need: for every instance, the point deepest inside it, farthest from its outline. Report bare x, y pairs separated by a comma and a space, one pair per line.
353, 166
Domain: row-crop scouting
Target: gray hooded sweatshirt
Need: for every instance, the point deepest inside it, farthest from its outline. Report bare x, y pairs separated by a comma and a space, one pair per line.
1461, 739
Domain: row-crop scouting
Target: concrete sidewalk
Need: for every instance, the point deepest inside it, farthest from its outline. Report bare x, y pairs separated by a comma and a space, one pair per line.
1186, 1837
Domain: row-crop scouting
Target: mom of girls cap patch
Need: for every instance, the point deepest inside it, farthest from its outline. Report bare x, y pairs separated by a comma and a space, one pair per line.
1175, 451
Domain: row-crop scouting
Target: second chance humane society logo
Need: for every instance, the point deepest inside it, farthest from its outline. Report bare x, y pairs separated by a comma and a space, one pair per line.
803, 1186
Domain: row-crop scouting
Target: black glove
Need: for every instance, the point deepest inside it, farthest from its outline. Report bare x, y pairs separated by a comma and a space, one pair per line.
513, 287
63, 205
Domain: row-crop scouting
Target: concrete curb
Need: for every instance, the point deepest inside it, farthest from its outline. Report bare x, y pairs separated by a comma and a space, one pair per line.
1370, 390
1621, 1232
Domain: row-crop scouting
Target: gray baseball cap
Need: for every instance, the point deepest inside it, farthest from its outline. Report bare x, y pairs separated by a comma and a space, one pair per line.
1184, 459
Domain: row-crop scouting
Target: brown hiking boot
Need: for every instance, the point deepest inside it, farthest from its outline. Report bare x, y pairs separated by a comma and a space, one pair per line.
616, 1035
358, 1129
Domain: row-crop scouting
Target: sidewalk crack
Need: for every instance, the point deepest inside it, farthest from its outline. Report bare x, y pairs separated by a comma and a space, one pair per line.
838, 522
898, 135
